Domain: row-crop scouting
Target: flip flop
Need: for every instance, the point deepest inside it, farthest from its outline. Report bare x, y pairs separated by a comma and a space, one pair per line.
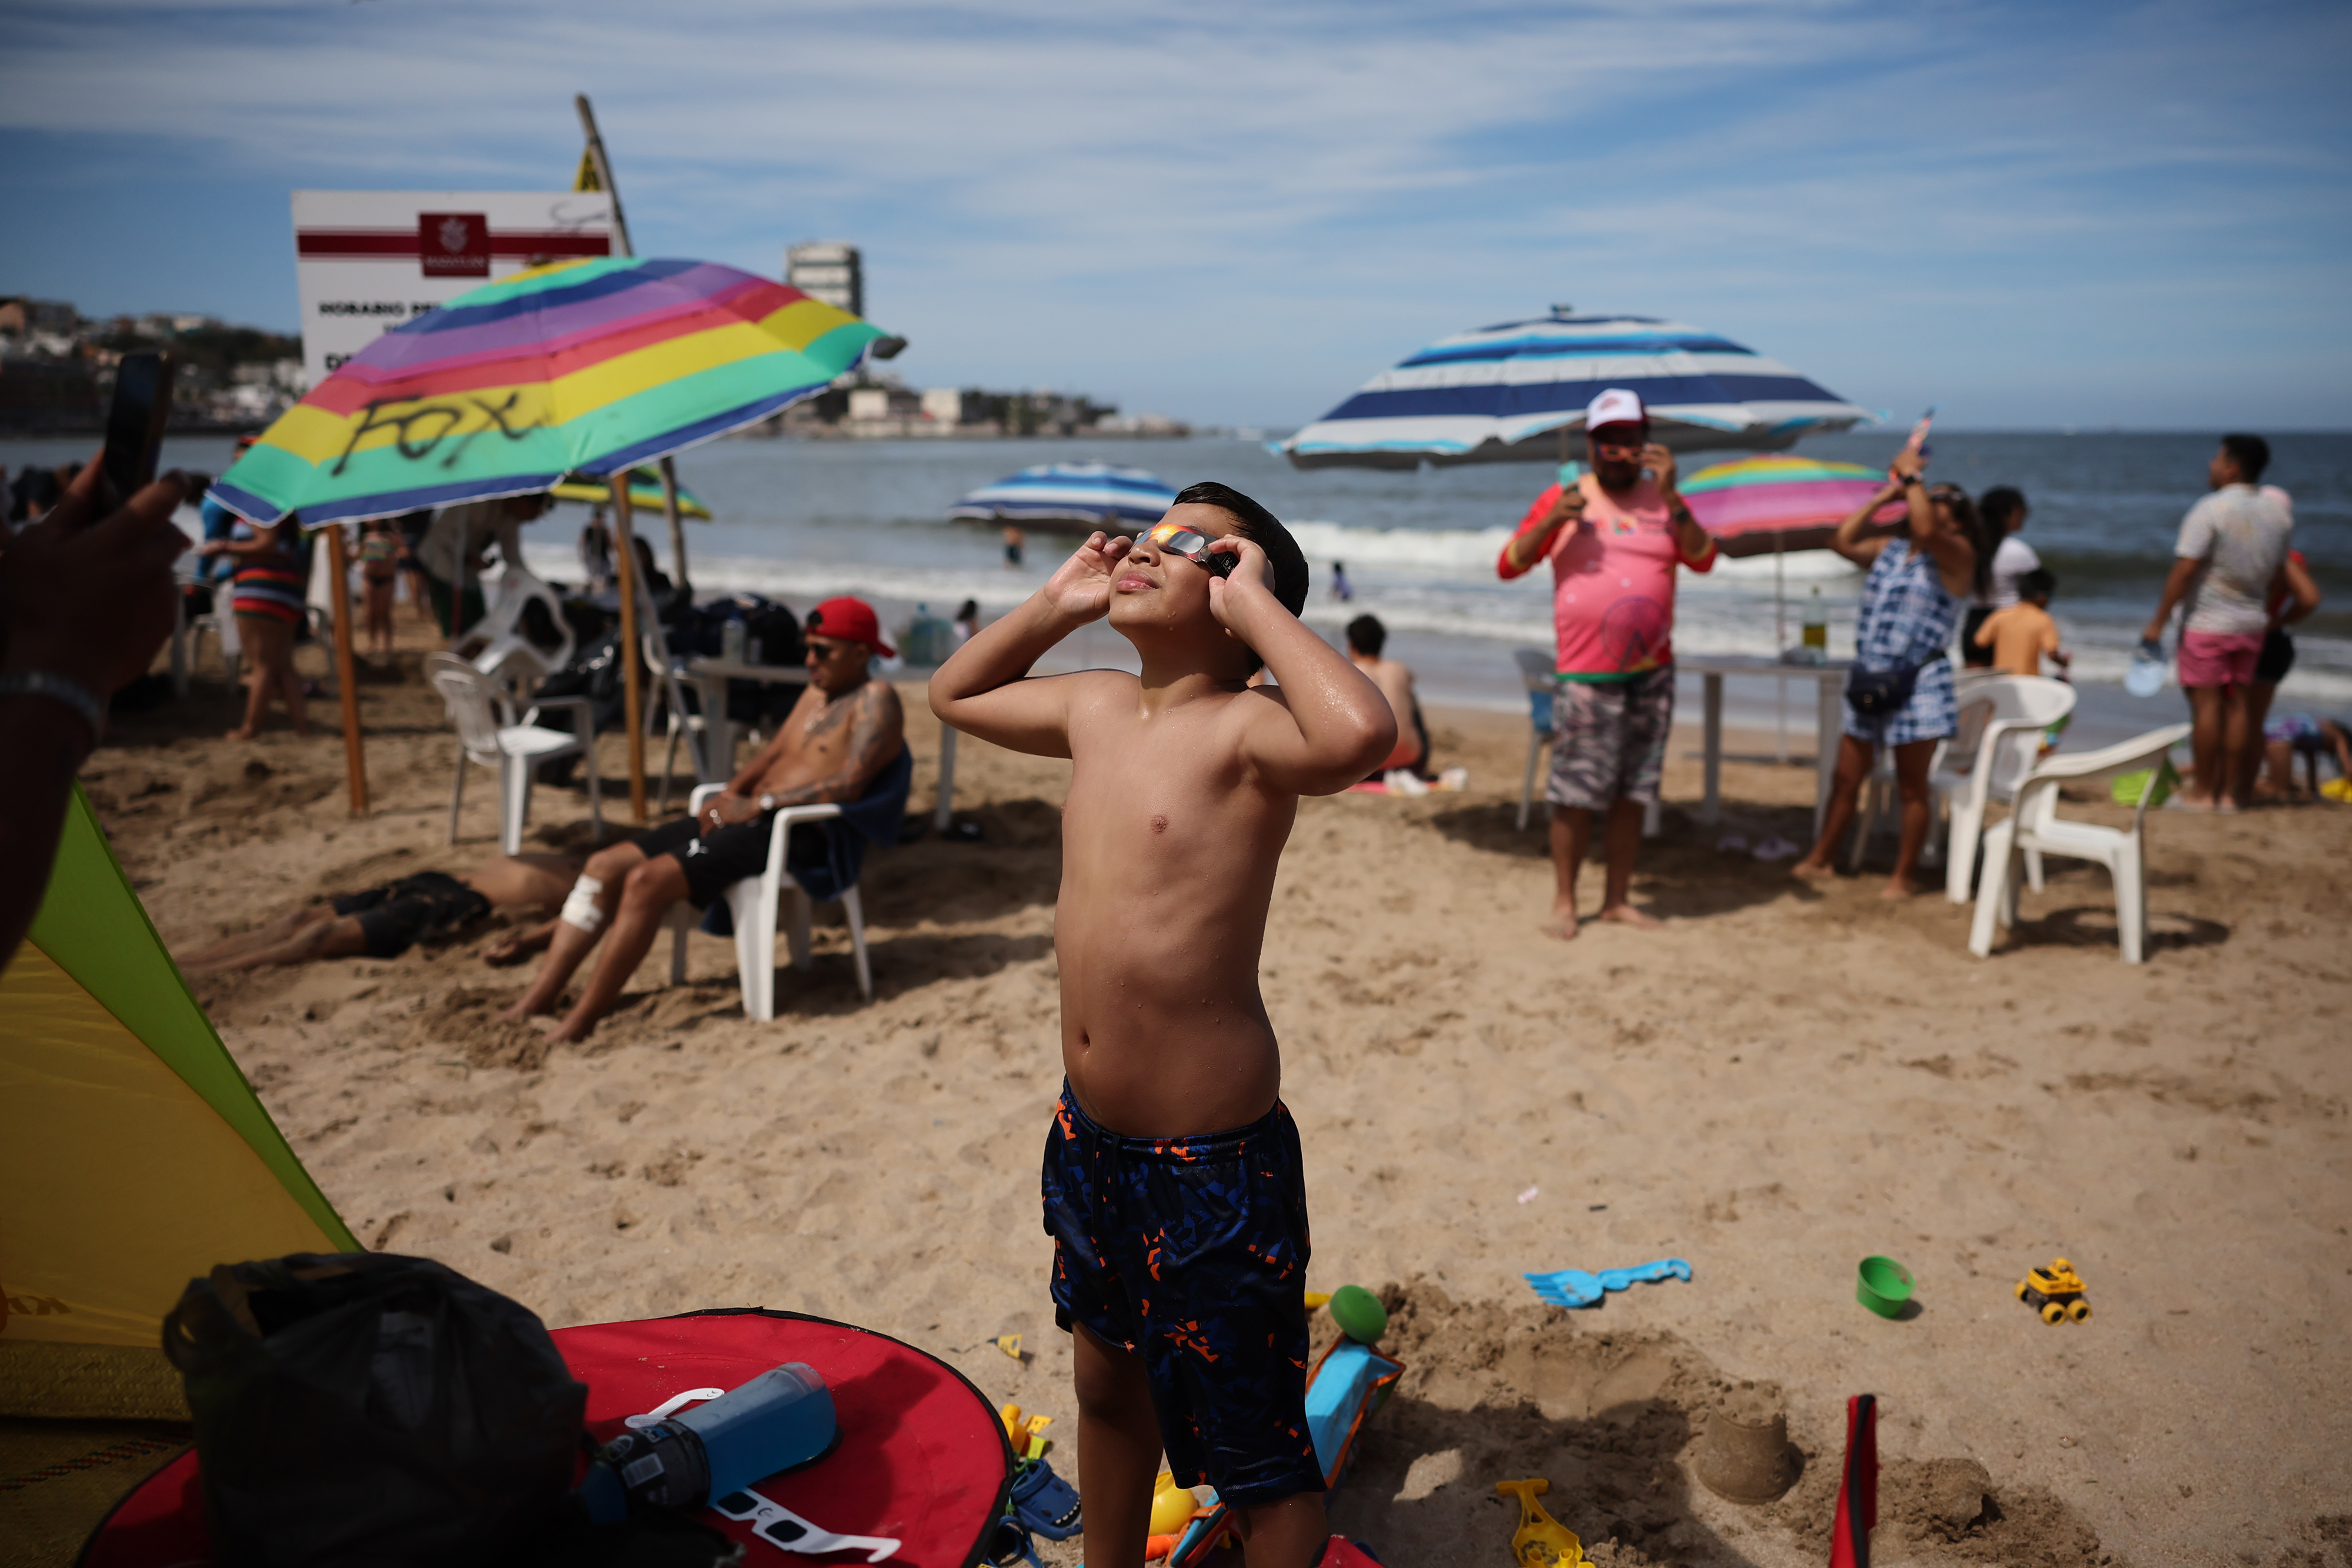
1043, 1502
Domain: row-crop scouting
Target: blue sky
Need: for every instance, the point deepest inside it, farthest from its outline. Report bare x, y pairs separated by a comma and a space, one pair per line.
2076, 215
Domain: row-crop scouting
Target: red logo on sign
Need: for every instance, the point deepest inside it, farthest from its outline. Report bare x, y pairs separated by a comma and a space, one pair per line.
454, 245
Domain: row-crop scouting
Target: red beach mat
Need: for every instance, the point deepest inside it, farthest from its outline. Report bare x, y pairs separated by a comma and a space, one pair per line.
1857, 1498
922, 1456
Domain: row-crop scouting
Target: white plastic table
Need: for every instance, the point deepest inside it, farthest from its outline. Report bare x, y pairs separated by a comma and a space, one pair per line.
711, 678
1830, 678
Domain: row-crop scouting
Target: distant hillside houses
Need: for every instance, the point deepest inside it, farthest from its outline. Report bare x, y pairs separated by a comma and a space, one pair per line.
878, 404
57, 367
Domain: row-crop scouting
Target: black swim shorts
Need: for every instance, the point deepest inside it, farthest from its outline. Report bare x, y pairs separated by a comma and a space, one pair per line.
394, 917
715, 862
1191, 1252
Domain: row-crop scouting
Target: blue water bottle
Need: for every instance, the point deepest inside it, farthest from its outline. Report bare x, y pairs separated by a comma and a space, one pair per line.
781, 1418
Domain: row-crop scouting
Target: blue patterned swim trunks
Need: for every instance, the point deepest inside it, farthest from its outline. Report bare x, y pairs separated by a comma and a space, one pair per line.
1191, 1253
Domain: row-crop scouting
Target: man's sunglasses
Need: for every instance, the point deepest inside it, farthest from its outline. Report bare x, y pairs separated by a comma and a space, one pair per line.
1175, 539
1633, 447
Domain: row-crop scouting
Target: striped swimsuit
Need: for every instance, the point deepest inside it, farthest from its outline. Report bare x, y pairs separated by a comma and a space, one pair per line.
273, 585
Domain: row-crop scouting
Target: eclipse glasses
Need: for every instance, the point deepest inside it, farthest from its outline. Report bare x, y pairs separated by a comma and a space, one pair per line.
1193, 545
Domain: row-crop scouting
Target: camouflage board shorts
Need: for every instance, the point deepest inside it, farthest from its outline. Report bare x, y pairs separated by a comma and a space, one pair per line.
1609, 739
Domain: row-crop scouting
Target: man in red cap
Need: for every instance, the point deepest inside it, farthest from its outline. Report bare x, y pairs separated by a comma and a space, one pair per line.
845, 729
1615, 538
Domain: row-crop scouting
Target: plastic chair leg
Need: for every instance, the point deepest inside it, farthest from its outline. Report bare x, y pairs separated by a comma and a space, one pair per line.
1866, 822
669, 760
2131, 902
1961, 850
2033, 870
677, 928
456, 794
856, 911
798, 934
1528, 785
1653, 815
1991, 890
595, 792
752, 902
514, 788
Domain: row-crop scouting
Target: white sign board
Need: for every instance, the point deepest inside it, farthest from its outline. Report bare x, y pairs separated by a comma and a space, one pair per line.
369, 260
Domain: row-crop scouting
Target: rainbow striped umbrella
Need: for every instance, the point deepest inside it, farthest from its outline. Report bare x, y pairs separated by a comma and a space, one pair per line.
1757, 505
589, 366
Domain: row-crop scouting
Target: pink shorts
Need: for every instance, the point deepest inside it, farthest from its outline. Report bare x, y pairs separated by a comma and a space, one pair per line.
2220, 658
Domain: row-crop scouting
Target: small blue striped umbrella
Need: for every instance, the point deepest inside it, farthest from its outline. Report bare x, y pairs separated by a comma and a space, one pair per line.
1074, 495
1507, 393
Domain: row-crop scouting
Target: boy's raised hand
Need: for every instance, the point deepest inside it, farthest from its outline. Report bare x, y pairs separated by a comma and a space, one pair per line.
1080, 586
1254, 571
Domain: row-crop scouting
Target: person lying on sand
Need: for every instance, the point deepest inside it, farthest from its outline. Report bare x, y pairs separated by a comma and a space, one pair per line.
845, 729
385, 922
1173, 1185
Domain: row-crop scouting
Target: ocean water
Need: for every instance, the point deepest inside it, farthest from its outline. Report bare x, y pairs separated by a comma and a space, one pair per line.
798, 521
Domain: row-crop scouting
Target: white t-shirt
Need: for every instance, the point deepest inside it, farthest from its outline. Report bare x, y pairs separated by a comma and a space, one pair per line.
2011, 559
2241, 535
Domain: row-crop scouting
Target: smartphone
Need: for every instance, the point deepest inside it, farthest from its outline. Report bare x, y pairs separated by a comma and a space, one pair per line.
134, 425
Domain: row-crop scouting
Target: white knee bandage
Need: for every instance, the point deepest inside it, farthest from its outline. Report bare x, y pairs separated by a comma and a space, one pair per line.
579, 906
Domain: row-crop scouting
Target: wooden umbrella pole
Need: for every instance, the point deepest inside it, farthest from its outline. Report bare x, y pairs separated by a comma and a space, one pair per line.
346, 677
677, 521
625, 552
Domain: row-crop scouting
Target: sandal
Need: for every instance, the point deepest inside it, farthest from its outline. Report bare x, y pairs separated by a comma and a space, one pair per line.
1043, 1502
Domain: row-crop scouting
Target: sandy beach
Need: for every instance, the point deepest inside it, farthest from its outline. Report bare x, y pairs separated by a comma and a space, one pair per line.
1784, 1080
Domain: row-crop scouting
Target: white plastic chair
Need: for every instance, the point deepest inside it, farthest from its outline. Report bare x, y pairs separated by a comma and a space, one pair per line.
1536, 669
1991, 706
489, 734
754, 903
2034, 825
694, 727
501, 627
2016, 710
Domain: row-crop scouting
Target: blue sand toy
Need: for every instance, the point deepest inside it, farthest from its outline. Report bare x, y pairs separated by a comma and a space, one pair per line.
1575, 1288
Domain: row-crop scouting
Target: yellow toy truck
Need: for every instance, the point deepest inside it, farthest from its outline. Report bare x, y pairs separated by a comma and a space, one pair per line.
2056, 1292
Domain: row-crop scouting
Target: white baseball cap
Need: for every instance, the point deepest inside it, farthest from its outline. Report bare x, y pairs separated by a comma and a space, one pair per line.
1615, 406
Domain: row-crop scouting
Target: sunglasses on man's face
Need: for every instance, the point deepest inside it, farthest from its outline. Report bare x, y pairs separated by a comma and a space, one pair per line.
825, 648
1176, 539
1621, 448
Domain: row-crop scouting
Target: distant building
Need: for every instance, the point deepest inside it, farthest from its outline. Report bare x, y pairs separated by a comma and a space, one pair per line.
943, 405
830, 270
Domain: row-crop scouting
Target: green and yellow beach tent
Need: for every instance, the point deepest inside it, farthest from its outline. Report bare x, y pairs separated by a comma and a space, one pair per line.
137, 1155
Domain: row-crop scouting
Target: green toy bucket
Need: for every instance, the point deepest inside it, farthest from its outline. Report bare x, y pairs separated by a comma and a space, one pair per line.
1884, 1287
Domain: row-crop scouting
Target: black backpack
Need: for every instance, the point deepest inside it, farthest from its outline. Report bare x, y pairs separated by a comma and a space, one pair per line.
364, 1409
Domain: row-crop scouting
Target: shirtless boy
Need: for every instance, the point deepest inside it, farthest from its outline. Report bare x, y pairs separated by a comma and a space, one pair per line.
385, 922
1172, 1184
845, 729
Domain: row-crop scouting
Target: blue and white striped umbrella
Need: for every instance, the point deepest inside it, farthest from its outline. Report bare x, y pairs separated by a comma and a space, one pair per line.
1077, 494
1506, 393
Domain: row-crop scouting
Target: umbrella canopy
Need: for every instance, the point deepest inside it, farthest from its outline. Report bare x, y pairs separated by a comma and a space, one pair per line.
1761, 504
593, 365
645, 490
1506, 393
1072, 494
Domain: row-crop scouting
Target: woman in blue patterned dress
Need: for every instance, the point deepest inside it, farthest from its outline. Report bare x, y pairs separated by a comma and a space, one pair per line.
1920, 580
